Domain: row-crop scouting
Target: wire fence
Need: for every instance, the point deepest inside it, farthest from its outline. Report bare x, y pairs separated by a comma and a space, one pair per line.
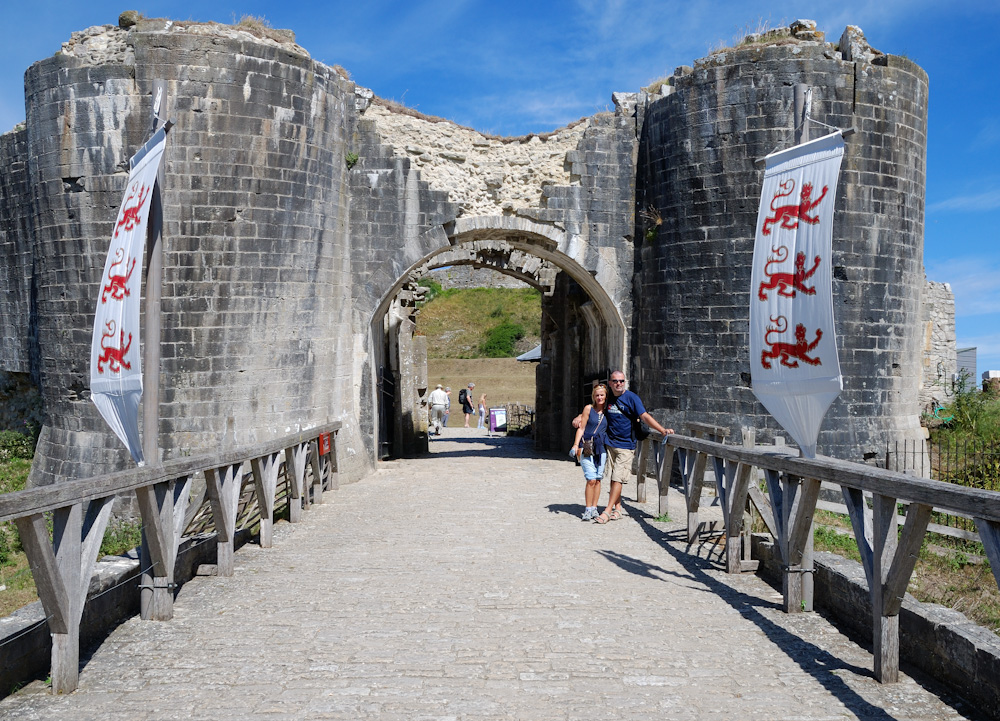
964, 462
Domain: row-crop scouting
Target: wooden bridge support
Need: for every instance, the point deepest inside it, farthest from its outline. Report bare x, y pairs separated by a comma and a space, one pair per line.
163, 507
295, 471
732, 480
61, 569
223, 486
62, 566
265, 478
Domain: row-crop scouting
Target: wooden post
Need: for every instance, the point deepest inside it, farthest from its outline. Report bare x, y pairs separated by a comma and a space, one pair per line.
151, 344
295, 469
67, 525
223, 487
693, 492
164, 508
265, 478
663, 478
640, 475
316, 464
61, 570
736, 503
885, 633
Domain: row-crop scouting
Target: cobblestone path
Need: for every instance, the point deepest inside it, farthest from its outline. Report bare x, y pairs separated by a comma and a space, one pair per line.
464, 586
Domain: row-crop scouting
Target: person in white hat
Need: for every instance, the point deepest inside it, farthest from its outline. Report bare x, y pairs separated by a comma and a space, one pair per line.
438, 401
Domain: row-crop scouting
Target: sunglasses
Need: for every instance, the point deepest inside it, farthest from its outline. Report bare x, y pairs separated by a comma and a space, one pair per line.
615, 380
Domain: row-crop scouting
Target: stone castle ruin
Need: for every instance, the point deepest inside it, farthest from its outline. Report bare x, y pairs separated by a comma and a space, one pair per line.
300, 211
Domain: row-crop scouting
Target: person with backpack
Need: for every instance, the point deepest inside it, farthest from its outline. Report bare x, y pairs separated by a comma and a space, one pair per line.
625, 411
465, 398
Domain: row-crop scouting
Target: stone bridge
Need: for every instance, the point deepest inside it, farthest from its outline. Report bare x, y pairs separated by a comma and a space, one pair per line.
462, 584
300, 210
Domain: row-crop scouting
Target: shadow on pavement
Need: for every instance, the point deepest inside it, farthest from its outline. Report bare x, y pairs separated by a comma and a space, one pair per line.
821, 665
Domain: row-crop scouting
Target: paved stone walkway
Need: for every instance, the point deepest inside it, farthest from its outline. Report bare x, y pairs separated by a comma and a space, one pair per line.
464, 586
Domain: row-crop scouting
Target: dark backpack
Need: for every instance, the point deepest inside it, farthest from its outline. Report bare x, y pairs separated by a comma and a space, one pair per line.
462, 395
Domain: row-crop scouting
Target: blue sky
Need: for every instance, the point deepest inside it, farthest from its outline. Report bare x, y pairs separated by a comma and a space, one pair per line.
516, 67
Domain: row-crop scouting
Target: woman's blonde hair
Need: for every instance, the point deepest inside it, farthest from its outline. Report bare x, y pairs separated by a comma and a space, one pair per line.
594, 393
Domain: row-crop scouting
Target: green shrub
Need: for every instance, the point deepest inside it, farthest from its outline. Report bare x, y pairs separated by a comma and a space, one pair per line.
432, 286
16, 445
501, 340
973, 415
121, 537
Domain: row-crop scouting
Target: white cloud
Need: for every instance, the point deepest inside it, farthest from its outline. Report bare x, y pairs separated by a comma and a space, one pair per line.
989, 134
975, 283
990, 200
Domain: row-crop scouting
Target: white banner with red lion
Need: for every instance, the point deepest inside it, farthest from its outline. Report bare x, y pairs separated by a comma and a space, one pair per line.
793, 348
115, 359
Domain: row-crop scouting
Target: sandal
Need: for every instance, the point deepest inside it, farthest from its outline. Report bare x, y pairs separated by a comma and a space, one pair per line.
615, 515
603, 518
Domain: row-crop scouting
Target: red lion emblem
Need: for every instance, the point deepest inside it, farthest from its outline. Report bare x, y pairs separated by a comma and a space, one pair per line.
787, 351
789, 215
117, 282
114, 357
787, 283
130, 213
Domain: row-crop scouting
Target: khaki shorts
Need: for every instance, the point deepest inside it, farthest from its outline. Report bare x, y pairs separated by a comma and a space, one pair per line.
620, 462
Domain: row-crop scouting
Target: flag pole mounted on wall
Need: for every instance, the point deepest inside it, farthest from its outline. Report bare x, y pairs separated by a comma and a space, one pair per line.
795, 370
154, 291
116, 381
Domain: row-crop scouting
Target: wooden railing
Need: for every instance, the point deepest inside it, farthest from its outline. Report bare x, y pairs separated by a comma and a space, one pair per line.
870, 495
62, 564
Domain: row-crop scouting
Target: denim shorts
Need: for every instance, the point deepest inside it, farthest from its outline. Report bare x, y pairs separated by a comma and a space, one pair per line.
593, 471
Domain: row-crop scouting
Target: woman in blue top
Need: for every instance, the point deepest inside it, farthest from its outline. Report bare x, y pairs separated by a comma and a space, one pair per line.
593, 426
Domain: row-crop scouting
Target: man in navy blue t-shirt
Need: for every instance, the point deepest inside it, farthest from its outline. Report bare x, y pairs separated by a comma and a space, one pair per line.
624, 410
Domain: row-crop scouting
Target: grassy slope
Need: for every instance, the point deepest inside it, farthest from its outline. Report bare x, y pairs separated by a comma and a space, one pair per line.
456, 321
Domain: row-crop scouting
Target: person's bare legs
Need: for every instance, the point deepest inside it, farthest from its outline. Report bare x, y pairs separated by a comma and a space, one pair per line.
592, 493
614, 497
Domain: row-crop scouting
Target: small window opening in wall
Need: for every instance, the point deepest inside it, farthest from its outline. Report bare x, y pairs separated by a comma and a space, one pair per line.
73, 185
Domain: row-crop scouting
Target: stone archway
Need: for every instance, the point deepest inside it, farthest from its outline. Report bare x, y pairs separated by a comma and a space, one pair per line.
583, 329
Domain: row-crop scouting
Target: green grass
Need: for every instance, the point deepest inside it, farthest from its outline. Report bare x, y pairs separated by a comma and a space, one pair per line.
829, 539
479, 322
120, 538
662, 518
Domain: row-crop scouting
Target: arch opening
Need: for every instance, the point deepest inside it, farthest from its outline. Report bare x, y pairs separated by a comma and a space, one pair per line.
583, 334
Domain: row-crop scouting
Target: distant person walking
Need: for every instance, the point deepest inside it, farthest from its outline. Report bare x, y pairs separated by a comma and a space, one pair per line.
482, 411
625, 410
588, 447
438, 401
465, 398
447, 408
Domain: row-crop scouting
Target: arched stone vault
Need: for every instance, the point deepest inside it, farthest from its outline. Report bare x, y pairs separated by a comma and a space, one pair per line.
583, 331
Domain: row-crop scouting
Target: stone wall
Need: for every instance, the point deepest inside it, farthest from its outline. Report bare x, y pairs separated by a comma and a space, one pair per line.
940, 362
483, 174
258, 331
467, 276
696, 168
15, 250
296, 209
